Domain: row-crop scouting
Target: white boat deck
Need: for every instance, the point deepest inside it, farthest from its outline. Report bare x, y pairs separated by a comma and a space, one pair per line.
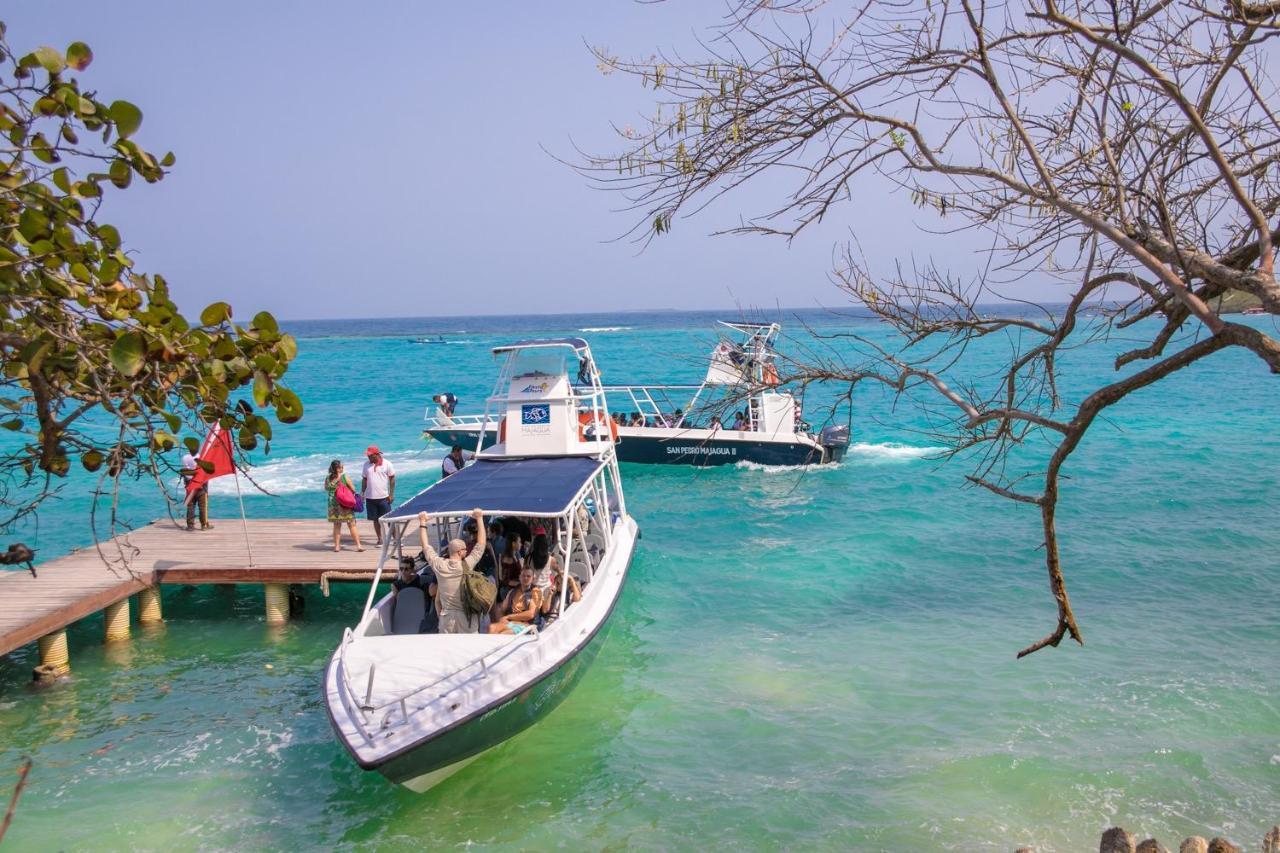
404, 662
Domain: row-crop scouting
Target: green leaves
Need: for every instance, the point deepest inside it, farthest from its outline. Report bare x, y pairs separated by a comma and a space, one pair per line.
215, 314
33, 224
126, 117
128, 354
288, 406
261, 387
50, 59
79, 55
263, 321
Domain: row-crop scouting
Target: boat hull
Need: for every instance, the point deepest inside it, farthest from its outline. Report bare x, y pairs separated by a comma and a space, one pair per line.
678, 450
427, 764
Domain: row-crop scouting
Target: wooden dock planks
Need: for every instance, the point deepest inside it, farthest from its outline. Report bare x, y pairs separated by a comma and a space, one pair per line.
80, 584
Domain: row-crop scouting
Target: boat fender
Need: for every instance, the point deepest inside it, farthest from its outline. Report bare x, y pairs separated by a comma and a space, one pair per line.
502, 430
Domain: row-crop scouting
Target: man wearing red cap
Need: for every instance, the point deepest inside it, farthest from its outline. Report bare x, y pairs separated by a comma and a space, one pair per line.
378, 485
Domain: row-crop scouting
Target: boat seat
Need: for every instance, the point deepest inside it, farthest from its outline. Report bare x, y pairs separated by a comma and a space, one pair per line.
410, 609
595, 547
580, 570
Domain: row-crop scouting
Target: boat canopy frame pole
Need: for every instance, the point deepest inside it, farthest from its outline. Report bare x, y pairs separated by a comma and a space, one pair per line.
377, 575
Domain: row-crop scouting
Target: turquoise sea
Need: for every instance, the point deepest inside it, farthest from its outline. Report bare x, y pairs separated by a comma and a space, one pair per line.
813, 661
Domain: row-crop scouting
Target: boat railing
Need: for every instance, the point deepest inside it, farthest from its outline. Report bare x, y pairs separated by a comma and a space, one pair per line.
363, 711
436, 420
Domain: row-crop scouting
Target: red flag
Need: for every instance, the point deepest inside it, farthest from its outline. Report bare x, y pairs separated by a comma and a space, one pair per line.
217, 452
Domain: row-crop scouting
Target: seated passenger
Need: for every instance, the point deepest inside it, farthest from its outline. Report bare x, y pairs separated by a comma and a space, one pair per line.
551, 598
447, 588
408, 577
739, 420
636, 420
715, 423
677, 419
510, 562
542, 563
518, 611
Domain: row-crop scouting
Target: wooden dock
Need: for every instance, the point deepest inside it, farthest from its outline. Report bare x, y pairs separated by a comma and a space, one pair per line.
285, 551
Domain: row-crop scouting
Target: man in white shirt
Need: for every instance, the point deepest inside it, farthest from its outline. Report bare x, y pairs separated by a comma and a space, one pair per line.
453, 463
378, 485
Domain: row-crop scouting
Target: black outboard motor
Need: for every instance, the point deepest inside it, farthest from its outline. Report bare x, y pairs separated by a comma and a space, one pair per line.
835, 440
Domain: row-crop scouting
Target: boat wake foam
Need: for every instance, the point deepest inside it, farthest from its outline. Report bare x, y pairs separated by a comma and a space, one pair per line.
606, 329
746, 465
890, 451
293, 474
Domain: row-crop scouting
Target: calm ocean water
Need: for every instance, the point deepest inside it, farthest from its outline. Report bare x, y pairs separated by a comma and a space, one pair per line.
818, 661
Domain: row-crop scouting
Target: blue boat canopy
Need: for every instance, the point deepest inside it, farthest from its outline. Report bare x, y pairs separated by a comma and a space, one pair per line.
544, 487
576, 343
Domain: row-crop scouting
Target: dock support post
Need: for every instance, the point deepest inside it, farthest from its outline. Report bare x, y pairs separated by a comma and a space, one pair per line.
277, 595
117, 619
149, 606
54, 660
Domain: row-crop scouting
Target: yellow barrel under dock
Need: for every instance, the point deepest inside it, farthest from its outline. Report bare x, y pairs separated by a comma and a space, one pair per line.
79, 585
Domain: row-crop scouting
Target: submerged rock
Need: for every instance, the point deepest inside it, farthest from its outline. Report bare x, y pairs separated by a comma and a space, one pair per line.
1194, 844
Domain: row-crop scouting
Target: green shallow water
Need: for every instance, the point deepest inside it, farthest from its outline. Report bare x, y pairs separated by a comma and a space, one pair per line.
819, 662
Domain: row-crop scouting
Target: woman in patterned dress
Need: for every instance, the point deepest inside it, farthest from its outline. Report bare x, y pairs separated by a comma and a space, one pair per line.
339, 514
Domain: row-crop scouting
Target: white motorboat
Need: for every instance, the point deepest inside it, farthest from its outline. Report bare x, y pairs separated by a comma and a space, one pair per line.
417, 707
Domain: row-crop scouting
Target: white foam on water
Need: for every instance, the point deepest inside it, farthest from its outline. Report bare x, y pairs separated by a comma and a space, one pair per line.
746, 465
606, 329
891, 451
293, 474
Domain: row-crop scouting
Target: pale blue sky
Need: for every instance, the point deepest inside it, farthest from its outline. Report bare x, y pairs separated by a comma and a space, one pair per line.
387, 161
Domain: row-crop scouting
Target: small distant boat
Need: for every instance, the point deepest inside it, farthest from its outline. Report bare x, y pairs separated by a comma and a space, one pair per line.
417, 707
438, 339
684, 424
1254, 310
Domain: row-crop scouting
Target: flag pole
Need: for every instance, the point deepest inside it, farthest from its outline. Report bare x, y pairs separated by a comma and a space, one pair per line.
243, 519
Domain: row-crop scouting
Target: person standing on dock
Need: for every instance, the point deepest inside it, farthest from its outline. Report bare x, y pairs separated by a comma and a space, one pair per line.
378, 485
339, 514
199, 496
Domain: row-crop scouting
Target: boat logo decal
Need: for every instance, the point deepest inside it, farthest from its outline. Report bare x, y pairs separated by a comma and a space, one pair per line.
534, 388
535, 414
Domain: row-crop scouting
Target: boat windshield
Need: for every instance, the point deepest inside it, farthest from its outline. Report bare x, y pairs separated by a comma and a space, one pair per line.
547, 361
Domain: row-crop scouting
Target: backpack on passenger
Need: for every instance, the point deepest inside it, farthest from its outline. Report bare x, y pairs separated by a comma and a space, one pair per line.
478, 593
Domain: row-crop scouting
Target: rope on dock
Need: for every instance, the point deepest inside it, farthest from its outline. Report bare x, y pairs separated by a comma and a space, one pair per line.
343, 576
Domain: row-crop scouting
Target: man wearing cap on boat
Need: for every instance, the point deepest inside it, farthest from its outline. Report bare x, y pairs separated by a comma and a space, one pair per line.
447, 589
378, 485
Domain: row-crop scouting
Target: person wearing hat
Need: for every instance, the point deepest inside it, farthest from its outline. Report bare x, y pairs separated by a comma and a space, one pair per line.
447, 589
378, 485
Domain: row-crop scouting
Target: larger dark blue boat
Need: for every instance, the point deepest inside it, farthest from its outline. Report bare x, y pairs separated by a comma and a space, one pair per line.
738, 414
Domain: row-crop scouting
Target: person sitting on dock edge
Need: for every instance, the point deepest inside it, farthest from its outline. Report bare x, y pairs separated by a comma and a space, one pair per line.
378, 485
447, 589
